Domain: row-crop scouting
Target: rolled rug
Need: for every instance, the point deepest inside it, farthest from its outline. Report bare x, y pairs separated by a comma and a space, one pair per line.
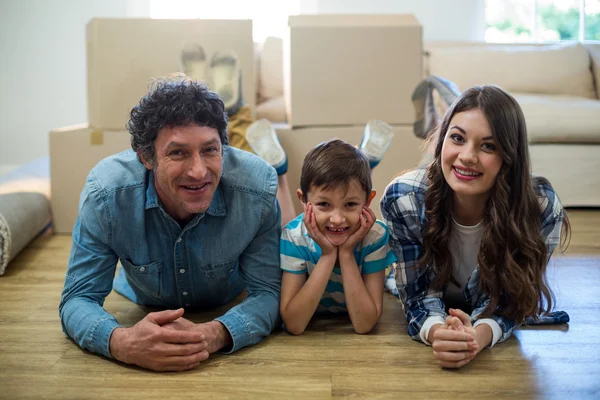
25, 210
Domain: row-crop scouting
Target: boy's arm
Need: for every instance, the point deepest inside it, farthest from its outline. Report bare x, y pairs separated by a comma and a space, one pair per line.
300, 297
363, 294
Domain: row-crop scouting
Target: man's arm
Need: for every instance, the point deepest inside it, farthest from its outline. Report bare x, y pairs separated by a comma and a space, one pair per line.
89, 277
253, 319
152, 344
89, 280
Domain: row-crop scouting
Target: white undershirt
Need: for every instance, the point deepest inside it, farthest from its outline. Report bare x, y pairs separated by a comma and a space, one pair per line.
464, 248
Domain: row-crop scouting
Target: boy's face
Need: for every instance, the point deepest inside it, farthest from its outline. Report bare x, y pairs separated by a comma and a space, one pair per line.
338, 210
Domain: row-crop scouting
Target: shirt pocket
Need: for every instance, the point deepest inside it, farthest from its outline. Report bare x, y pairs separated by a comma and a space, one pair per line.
146, 278
218, 276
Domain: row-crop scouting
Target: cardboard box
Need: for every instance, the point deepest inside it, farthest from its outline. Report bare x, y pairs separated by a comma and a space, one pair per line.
348, 69
74, 151
404, 153
124, 54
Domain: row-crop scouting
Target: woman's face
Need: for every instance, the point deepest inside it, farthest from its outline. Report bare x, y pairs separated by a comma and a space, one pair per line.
470, 156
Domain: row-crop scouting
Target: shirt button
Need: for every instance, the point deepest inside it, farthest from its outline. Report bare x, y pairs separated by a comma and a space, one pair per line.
185, 293
182, 271
142, 269
179, 240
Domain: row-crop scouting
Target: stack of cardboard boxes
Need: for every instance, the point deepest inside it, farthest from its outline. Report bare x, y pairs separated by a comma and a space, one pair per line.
340, 72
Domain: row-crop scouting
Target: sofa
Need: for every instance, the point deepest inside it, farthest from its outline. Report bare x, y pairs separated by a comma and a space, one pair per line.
558, 87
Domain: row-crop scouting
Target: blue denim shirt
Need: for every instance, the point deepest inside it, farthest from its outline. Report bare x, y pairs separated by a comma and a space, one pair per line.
233, 246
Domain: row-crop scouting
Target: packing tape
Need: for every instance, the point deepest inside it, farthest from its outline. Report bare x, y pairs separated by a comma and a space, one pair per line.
96, 138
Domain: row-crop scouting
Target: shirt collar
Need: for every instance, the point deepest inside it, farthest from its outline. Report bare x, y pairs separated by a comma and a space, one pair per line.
151, 195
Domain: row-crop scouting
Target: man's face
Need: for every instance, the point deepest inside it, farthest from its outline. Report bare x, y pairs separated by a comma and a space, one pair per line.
187, 170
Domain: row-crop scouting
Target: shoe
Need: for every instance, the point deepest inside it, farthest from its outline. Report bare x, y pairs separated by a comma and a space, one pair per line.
263, 139
426, 114
226, 79
376, 139
193, 61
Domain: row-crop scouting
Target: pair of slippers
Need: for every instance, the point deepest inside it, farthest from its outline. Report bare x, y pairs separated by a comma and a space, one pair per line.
262, 138
222, 73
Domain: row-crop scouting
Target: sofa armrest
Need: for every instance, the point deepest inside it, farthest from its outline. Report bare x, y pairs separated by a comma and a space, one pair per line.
594, 50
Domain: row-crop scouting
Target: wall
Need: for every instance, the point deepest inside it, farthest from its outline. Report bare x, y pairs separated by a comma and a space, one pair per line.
43, 70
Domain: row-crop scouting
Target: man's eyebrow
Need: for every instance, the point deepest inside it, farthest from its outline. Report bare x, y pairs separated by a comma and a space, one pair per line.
175, 143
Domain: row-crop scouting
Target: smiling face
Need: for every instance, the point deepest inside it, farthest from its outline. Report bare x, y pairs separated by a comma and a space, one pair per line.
470, 157
187, 169
338, 210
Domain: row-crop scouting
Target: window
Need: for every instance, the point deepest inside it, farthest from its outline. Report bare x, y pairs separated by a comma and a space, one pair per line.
269, 17
592, 20
542, 20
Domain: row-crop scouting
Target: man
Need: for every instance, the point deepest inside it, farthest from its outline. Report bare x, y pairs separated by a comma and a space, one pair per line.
193, 223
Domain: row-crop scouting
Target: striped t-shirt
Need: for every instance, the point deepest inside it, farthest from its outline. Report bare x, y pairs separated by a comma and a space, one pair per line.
300, 254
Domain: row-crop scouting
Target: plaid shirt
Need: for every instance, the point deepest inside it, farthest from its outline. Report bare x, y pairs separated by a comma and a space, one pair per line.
403, 210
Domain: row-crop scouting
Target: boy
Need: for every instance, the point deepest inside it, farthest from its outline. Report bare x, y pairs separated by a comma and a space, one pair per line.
334, 255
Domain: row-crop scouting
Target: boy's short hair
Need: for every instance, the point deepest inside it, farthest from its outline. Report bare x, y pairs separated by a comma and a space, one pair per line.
333, 164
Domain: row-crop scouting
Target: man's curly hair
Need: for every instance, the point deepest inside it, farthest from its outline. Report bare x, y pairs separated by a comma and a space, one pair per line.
174, 100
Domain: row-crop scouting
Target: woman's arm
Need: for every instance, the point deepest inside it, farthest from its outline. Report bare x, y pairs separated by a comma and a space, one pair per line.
423, 306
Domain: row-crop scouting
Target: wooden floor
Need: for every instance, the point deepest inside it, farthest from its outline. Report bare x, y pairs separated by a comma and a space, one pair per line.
37, 361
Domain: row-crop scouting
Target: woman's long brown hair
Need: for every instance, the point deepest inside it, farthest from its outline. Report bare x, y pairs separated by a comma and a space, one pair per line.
512, 256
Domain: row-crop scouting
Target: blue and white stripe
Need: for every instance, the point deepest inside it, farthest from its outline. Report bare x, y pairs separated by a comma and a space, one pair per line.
300, 254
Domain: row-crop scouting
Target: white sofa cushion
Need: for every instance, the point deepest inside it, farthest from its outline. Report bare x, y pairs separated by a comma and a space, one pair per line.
271, 68
570, 168
560, 119
554, 69
594, 50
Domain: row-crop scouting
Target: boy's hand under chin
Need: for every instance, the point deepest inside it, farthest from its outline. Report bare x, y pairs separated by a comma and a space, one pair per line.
367, 219
310, 221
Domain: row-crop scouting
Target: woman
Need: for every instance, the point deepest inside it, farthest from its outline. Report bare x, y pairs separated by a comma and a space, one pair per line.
473, 232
